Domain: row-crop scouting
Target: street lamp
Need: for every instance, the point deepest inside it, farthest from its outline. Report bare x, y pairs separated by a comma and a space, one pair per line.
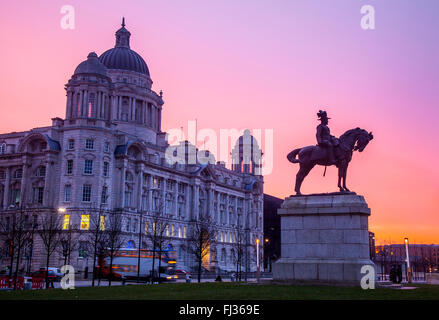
406, 241
66, 246
258, 270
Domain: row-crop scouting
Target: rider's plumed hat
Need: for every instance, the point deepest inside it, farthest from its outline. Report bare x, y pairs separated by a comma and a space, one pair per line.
322, 114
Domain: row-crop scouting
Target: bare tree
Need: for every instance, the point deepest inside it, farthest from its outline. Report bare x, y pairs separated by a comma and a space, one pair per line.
51, 236
157, 236
18, 235
201, 239
238, 255
96, 238
112, 239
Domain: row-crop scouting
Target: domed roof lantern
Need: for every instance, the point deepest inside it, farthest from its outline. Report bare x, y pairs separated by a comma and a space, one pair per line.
123, 36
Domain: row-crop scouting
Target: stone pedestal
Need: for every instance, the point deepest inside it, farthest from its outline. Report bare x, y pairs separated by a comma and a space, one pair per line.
324, 239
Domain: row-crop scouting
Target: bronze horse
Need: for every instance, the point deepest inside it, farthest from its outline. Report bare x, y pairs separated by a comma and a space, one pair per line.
352, 140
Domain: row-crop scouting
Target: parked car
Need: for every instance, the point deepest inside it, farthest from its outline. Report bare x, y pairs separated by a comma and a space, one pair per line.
42, 274
181, 273
56, 271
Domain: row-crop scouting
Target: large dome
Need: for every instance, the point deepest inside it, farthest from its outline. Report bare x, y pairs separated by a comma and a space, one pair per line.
125, 59
121, 56
91, 65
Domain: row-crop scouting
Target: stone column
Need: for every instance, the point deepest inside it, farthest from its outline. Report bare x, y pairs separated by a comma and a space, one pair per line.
122, 181
175, 211
187, 199
150, 193
164, 195
159, 118
209, 202
23, 183
195, 201
133, 109
218, 211
7, 188
85, 104
227, 210
80, 103
145, 112
47, 183
119, 108
140, 187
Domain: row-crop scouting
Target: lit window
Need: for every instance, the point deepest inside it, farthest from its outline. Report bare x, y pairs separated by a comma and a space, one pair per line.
66, 223
156, 183
102, 223
88, 166
146, 227
184, 231
179, 231
85, 221
167, 230
172, 230
89, 144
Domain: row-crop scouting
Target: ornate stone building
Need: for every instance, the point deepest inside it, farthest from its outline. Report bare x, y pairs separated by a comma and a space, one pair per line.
108, 155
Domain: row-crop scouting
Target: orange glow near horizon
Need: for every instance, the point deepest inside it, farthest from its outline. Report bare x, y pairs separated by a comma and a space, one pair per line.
217, 63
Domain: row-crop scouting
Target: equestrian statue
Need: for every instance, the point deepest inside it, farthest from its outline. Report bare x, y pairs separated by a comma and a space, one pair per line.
329, 151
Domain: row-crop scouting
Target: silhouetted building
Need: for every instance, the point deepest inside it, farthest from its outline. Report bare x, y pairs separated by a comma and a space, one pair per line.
424, 258
271, 230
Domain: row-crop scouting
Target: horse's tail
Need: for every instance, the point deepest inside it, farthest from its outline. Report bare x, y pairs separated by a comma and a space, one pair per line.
292, 156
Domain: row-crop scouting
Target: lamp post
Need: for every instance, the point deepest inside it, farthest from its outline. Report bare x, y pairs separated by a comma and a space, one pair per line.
258, 270
406, 241
66, 246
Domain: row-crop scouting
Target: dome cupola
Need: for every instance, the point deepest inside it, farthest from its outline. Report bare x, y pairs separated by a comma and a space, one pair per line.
91, 65
121, 57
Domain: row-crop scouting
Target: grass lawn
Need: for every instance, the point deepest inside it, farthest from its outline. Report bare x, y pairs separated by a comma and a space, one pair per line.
224, 291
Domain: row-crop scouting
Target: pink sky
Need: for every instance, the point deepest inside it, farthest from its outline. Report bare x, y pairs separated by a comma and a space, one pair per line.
262, 64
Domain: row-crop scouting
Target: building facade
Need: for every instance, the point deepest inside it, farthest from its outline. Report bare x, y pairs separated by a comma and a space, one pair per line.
108, 155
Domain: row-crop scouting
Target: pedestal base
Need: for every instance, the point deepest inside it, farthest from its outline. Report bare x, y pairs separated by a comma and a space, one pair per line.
324, 240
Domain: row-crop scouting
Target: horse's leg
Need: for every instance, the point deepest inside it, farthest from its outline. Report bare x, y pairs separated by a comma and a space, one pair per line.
303, 172
299, 179
345, 173
340, 174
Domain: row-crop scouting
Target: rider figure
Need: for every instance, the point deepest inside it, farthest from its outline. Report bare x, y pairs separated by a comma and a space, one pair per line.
324, 138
